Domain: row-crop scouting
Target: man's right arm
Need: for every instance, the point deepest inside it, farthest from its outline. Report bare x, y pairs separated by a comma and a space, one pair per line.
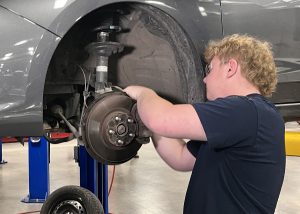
164, 118
174, 152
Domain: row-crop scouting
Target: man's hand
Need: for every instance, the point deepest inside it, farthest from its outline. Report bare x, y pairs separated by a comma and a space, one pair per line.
135, 91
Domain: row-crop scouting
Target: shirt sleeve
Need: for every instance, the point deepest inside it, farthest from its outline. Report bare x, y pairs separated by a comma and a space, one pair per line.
227, 122
193, 146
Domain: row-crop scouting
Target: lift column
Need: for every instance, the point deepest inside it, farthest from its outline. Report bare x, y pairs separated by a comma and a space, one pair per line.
94, 176
38, 161
1, 161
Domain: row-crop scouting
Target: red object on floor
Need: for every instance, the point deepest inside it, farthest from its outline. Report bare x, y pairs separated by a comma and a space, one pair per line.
11, 139
59, 135
54, 135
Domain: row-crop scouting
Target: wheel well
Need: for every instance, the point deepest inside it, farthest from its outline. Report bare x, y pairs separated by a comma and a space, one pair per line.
157, 54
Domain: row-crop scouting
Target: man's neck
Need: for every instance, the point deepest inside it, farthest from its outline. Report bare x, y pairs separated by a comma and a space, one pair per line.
241, 87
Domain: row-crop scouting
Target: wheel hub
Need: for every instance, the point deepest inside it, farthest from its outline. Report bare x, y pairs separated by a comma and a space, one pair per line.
109, 129
120, 129
69, 207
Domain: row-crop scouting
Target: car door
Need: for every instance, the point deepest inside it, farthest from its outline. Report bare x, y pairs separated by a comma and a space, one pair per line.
278, 22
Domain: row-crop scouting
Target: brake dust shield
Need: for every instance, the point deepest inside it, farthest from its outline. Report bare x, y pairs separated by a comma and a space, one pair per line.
109, 129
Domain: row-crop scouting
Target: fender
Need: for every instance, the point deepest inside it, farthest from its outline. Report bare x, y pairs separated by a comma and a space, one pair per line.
201, 20
26, 50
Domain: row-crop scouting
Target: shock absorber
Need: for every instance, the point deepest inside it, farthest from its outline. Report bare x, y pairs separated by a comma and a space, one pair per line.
102, 49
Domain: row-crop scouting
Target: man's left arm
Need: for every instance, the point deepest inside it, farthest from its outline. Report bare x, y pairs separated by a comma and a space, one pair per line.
174, 152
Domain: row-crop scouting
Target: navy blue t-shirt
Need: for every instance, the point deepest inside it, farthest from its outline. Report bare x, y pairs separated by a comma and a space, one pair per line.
240, 168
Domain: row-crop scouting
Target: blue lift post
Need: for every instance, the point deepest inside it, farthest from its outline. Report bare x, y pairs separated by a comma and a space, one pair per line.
94, 176
38, 160
1, 160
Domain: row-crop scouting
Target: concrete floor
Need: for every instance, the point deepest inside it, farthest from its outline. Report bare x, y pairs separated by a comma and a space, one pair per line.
143, 185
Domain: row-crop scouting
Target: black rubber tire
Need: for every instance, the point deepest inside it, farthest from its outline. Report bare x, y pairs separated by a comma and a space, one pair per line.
86, 198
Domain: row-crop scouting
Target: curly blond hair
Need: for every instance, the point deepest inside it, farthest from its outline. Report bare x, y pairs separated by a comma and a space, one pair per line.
254, 56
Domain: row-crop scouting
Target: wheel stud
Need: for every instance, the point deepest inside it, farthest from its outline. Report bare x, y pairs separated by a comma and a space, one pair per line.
120, 142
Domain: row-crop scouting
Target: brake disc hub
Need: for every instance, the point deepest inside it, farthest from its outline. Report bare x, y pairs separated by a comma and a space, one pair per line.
120, 132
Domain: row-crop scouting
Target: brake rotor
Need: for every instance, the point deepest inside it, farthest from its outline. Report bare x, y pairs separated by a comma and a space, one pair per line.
109, 128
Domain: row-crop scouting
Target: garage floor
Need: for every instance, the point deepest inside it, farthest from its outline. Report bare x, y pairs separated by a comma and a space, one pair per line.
143, 185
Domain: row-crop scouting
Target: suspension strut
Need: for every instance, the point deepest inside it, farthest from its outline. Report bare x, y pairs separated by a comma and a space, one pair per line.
102, 49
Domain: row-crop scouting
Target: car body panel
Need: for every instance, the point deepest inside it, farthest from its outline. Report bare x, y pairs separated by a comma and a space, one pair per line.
26, 50
59, 16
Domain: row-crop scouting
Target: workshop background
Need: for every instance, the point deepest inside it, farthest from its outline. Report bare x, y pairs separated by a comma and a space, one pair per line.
143, 185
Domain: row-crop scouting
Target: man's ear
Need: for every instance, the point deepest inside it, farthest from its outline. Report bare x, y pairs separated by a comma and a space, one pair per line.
232, 67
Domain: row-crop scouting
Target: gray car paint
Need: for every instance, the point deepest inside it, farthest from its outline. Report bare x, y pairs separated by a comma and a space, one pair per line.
26, 50
274, 21
43, 23
59, 16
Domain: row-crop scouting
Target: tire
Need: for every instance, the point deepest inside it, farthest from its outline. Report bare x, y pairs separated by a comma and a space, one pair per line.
72, 199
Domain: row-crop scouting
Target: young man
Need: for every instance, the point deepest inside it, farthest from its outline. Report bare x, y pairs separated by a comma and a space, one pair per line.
237, 149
